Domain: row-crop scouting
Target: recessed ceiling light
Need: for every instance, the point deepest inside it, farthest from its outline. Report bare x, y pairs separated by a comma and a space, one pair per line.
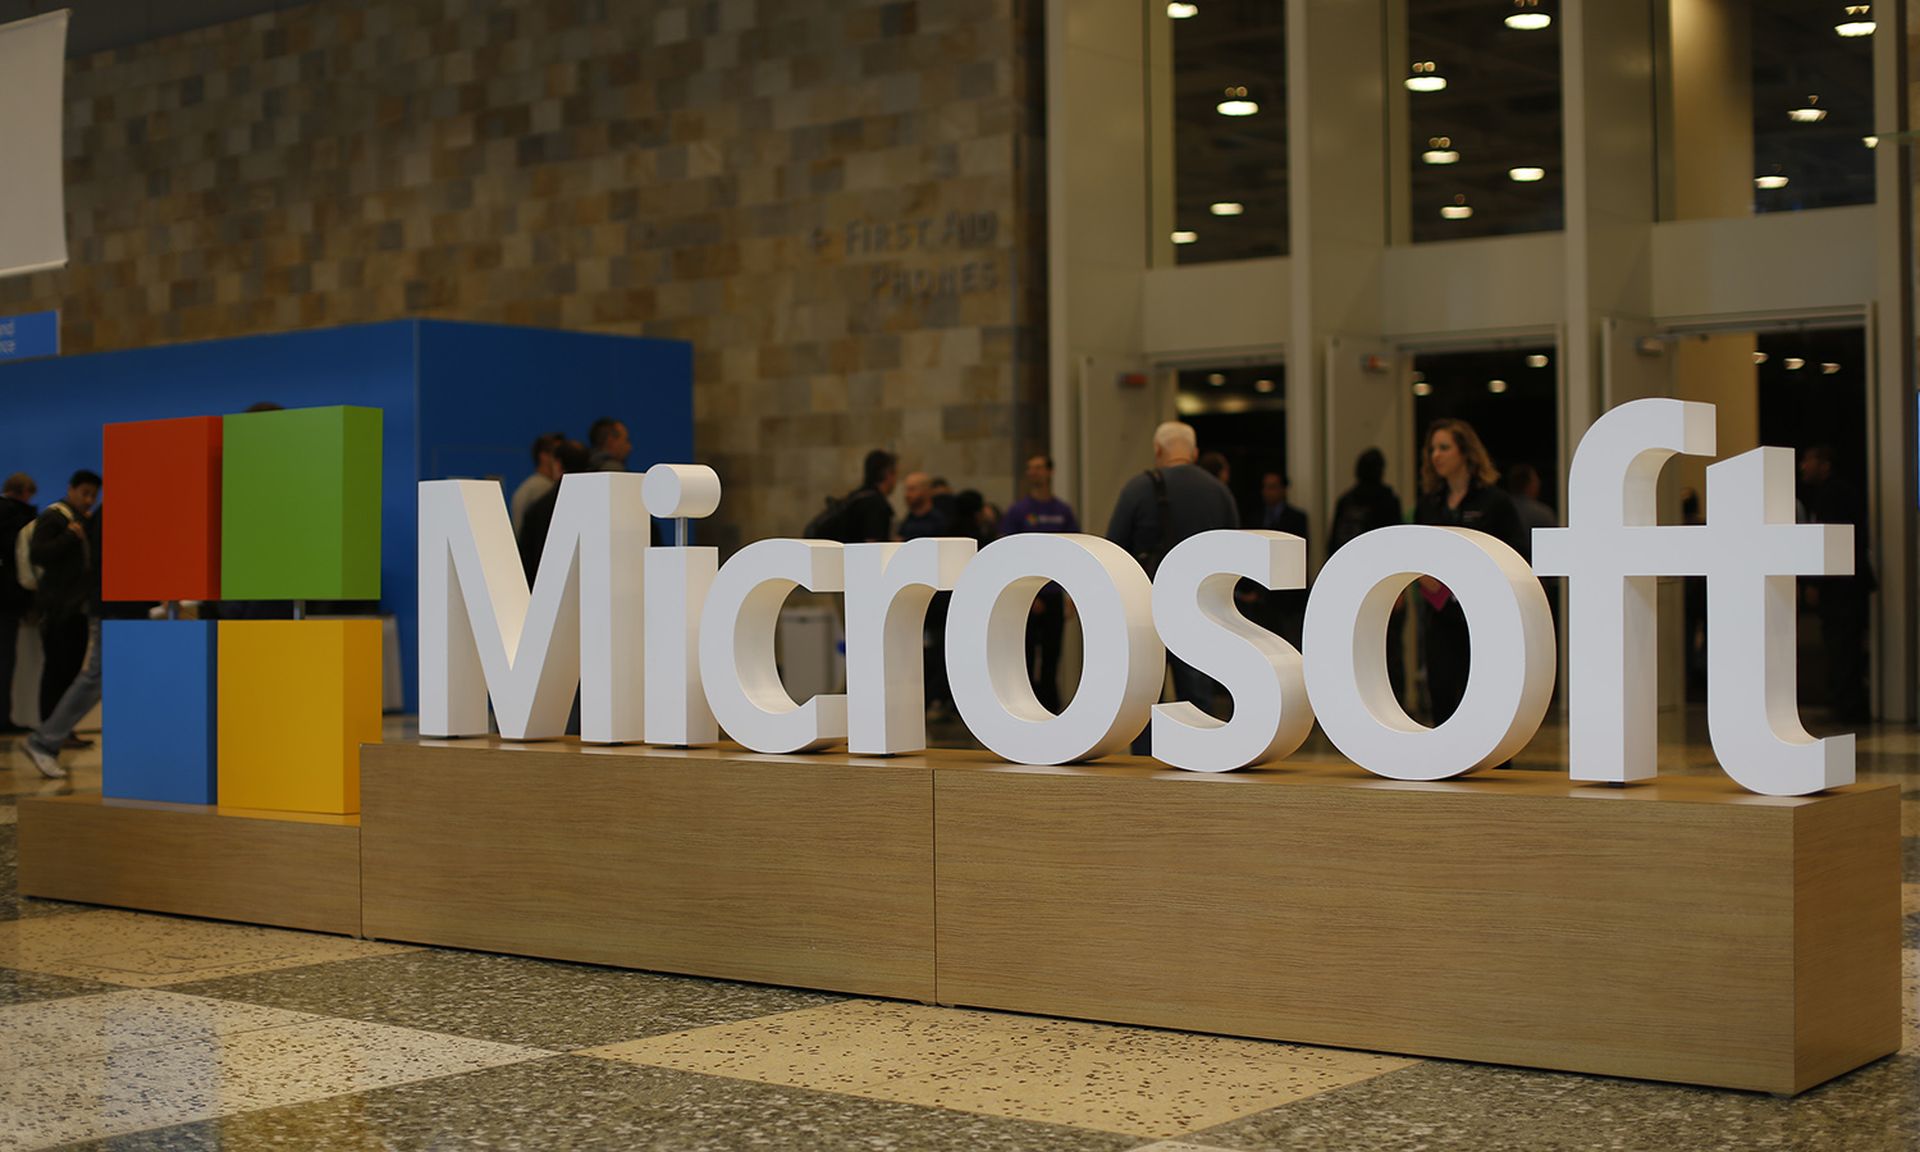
1526, 175
1236, 103
1422, 388
1870, 141
1263, 385
1183, 11
1185, 237
1794, 363
1425, 77
1810, 113
1537, 360
1857, 22
1216, 378
1227, 208
1458, 210
1770, 182
1759, 357
1440, 156
1829, 369
1496, 386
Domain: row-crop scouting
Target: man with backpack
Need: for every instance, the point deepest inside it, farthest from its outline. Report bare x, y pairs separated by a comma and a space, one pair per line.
63, 562
865, 515
1158, 509
16, 599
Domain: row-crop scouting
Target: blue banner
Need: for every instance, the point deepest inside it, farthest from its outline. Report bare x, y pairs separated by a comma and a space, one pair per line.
29, 337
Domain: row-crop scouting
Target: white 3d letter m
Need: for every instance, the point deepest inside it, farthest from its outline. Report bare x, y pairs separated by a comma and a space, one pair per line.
483, 631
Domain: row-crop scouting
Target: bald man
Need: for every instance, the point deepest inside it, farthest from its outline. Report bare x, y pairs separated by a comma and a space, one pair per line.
1158, 509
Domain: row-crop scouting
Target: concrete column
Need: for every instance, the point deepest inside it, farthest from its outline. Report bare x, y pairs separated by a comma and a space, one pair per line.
1338, 155
1891, 337
1098, 246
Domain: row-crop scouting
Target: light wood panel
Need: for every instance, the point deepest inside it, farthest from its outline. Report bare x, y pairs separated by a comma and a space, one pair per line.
223, 864
812, 871
1684, 931
1847, 945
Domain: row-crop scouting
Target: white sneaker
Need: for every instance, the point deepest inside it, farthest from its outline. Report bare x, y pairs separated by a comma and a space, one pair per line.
48, 764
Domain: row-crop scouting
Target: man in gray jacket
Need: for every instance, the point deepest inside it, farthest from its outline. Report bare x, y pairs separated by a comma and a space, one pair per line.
1158, 509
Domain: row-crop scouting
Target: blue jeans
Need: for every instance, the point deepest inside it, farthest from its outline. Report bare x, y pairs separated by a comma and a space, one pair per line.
75, 702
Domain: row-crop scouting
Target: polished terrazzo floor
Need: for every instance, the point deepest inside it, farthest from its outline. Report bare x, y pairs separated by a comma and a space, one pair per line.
123, 1030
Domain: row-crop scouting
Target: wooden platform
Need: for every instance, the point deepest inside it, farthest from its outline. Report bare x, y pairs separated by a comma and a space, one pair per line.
813, 871
272, 868
1685, 930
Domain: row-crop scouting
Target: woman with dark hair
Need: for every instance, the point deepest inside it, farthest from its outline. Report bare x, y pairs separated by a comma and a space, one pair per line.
1458, 489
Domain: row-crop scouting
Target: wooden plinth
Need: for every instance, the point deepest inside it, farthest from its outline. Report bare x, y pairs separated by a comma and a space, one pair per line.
288, 871
1684, 931
813, 871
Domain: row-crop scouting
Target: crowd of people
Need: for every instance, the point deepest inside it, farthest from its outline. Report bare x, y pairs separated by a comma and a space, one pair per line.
1186, 492
50, 577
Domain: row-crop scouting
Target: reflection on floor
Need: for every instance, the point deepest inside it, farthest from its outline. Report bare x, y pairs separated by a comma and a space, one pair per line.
123, 1030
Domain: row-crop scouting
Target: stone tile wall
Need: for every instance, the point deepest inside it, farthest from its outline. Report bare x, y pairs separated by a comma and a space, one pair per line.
836, 201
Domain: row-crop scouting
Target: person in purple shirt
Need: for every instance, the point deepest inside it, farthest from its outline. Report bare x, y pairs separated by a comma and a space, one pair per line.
1041, 511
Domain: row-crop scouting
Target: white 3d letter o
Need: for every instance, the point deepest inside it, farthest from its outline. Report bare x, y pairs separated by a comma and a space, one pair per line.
1508, 685
986, 648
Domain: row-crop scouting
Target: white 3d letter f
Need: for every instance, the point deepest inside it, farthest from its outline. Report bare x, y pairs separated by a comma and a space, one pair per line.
1750, 550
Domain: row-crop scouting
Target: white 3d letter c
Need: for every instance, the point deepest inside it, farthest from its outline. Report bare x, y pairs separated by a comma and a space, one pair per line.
736, 646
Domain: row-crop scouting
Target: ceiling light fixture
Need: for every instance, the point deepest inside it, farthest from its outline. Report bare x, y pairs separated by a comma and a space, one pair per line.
1759, 357
1440, 151
1770, 181
1794, 363
1870, 141
1527, 17
1216, 378
1526, 175
1422, 388
1181, 11
1812, 113
1458, 210
1185, 237
1857, 23
1829, 369
1263, 385
1537, 360
1227, 208
1426, 77
1496, 386
1236, 103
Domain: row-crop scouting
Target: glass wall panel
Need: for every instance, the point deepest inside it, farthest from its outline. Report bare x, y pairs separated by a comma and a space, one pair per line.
1812, 104
1229, 127
1239, 412
1509, 395
1483, 112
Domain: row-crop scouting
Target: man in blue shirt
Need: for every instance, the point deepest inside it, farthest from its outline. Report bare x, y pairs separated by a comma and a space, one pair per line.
1041, 511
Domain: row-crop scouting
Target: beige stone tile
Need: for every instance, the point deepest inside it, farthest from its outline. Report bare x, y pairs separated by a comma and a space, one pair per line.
50, 1031
1136, 1081
129, 1090
9, 814
142, 951
1909, 899
1910, 817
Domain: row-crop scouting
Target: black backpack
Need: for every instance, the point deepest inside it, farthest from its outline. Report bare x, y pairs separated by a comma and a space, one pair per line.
835, 520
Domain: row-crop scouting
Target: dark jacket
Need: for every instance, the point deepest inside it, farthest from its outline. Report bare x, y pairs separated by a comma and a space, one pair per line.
1360, 510
14, 515
65, 559
1196, 503
1483, 509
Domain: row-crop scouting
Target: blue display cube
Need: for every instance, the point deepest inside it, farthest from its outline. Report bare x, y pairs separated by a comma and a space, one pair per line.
159, 689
